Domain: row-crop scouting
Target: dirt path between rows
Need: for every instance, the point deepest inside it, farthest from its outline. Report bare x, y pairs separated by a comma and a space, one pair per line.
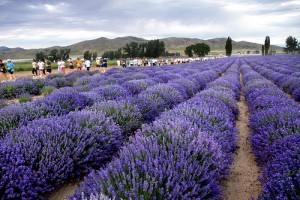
242, 183
62, 193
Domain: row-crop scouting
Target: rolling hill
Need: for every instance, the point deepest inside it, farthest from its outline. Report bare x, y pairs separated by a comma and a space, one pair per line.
172, 44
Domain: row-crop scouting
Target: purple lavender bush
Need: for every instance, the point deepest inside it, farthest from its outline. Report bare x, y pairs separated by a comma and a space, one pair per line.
271, 125
189, 84
179, 163
209, 119
13, 89
164, 96
111, 92
47, 153
58, 103
125, 113
275, 121
281, 176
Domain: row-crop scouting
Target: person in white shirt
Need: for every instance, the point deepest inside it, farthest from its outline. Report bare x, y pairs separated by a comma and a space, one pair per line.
58, 66
87, 64
63, 66
83, 65
41, 65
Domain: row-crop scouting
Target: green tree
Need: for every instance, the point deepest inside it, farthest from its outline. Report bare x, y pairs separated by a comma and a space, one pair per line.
291, 44
40, 56
262, 49
64, 54
131, 49
201, 49
228, 46
267, 45
94, 55
87, 55
189, 51
53, 55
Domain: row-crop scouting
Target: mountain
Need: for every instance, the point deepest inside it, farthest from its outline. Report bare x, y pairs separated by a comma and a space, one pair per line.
3, 48
172, 44
102, 44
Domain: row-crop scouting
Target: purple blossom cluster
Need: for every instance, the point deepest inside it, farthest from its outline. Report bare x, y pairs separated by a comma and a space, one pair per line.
124, 112
183, 154
283, 70
14, 89
23, 86
44, 154
275, 123
57, 103
44, 144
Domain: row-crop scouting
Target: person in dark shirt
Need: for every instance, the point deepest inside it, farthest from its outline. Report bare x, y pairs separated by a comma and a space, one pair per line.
3, 70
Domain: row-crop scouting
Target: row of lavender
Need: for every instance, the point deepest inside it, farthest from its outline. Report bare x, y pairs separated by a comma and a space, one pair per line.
183, 154
283, 70
27, 86
115, 84
275, 121
39, 155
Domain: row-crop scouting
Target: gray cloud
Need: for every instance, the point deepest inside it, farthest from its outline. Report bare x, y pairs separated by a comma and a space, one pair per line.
34, 23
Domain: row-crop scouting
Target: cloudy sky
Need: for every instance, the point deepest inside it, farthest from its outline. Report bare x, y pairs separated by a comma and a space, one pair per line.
39, 24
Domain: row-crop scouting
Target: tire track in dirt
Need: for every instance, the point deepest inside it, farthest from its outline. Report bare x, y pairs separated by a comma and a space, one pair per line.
242, 182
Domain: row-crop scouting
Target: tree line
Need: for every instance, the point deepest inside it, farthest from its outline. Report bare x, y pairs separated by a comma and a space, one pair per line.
156, 48
54, 55
150, 49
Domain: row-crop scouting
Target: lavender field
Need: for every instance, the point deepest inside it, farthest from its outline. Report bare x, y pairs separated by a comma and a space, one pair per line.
151, 132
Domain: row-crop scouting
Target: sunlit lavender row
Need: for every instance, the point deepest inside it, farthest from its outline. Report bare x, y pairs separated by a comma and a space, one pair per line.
275, 123
62, 137
283, 70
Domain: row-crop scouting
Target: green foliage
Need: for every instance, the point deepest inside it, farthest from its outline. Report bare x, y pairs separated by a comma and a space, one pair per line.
9, 91
189, 51
262, 49
64, 53
87, 55
200, 49
167, 53
40, 56
291, 44
267, 45
113, 54
54, 55
152, 48
94, 55
47, 90
228, 46
25, 99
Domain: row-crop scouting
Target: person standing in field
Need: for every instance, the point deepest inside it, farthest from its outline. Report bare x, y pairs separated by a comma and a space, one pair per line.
11, 69
71, 64
87, 64
48, 67
3, 70
97, 62
34, 68
118, 63
79, 64
58, 66
83, 65
63, 66
41, 65
124, 63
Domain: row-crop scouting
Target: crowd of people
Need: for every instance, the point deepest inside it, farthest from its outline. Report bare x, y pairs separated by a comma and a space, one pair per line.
43, 67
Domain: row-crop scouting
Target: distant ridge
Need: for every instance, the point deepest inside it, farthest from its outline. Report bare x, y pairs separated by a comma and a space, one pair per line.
3, 48
172, 44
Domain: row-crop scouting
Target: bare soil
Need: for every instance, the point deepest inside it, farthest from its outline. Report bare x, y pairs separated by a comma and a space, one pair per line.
28, 74
63, 192
243, 183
